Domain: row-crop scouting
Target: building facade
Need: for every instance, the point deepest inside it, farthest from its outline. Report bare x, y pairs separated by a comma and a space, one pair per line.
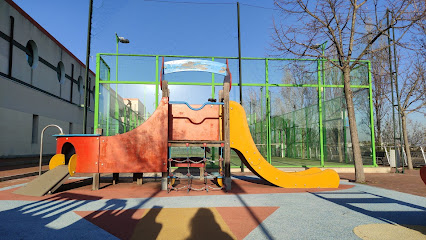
41, 83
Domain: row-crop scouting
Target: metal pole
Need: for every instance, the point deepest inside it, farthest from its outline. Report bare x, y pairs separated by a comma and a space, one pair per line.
239, 66
391, 77
398, 100
12, 28
239, 55
89, 31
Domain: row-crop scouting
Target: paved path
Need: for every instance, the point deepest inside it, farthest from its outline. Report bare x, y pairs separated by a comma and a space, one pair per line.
251, 211
409, 182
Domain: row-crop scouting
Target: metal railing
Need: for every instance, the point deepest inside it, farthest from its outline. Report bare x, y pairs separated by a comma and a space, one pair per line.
41, 143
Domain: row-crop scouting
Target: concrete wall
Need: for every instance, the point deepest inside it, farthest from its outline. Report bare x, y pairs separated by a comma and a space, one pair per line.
36, 90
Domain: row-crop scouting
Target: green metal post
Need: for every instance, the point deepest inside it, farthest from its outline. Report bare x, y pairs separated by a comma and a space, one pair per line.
287, 138
117, 107
275, 136
125, 118
307, 134
323, 99
320, 115
108, 102
255, 127
282, 139
294, 145
96, 117
344, 135
268, 113
130, 122
373, 139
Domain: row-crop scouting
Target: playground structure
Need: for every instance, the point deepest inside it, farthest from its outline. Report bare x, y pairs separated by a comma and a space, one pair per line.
218, 123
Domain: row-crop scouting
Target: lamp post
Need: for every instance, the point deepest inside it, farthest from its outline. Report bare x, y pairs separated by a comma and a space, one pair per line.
117, 110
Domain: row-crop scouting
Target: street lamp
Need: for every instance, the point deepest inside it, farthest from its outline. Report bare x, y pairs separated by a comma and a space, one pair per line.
322, 46
118, 40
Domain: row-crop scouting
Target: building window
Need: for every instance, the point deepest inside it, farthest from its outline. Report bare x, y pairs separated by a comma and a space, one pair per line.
70, 128
32, 54
60, 70
80, 84
34, 134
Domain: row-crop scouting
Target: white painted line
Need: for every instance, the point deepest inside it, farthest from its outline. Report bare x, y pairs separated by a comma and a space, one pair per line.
11, 187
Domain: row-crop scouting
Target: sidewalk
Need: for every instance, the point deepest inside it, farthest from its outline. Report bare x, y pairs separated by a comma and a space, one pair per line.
408, 182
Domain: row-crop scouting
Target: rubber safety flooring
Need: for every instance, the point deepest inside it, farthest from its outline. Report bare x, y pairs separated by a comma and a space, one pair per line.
252, 210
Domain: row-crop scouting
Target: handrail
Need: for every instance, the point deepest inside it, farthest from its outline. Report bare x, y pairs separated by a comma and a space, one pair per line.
196, 109
41, 143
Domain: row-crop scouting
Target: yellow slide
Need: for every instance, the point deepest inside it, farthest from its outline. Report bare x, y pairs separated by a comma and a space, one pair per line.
243, 144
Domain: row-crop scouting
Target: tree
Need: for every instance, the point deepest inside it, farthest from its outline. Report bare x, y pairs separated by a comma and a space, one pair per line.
381, 88
416, 134
344, 24
413, 98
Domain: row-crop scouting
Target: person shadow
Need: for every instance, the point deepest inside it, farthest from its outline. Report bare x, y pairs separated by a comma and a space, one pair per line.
147, 227
204, 226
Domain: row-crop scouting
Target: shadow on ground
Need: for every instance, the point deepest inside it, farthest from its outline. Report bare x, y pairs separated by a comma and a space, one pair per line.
385, 209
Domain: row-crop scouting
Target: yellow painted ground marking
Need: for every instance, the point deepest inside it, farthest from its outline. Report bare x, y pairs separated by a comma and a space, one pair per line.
182, 223
390, 231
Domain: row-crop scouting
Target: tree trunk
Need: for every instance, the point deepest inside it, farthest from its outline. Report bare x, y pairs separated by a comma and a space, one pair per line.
406, 143
356, 150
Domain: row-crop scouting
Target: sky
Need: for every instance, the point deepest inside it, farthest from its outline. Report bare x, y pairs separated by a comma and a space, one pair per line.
163, 27
157, 27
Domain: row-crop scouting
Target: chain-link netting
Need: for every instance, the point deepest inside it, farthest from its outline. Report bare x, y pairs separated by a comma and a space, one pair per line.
296, 110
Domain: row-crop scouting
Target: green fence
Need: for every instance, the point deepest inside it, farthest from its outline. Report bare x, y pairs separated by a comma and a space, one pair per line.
295, 107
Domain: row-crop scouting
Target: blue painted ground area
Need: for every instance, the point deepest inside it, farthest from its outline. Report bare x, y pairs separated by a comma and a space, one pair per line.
321, 215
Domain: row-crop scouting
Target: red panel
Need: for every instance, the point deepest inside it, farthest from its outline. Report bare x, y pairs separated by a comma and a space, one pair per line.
143, 149
187, 124
87, 150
